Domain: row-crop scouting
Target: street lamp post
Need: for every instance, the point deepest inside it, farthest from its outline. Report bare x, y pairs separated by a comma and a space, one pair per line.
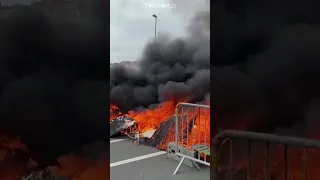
155, 26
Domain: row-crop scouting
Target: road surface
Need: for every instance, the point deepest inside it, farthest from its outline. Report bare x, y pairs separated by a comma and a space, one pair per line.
131, 162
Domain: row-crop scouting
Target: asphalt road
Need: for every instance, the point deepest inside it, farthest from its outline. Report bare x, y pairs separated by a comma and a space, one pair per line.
131, 162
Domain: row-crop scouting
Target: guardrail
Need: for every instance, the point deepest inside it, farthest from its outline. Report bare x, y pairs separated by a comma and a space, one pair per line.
192, 131
260, 137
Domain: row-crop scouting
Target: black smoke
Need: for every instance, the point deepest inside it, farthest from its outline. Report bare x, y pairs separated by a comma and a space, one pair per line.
169, 68
265, 63
53, 79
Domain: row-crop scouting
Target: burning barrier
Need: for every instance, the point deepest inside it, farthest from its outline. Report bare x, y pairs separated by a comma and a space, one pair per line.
160, 122
192, 131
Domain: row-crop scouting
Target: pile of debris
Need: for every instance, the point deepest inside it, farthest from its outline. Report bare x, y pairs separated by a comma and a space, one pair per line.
119, 124
150, 138
43, 175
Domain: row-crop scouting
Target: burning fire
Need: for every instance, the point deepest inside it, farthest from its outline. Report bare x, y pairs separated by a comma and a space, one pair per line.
151, 119
114, 112
76, 168
11, 168
80, 168
200, 133
73, 167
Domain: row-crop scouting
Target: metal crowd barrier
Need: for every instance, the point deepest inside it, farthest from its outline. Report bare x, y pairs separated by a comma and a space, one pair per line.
189, 142
266, 139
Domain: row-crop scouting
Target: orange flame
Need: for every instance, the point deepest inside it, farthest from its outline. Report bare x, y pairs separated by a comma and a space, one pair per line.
78, 168
201, 128
11, 169
200, 133
71, 166
114, 112
151, 119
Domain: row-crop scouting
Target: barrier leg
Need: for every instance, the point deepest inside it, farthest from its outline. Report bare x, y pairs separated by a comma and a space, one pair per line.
178, 167
196, 165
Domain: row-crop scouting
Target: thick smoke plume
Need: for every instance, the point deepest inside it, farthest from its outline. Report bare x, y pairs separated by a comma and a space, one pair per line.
266, 64
169, 68
53, 79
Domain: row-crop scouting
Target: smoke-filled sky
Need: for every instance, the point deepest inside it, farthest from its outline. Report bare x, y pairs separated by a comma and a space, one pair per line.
266, 56
53, 81
170, 67
132, 25
12, 2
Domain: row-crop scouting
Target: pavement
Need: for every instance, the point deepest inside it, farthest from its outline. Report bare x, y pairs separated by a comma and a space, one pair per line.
131, 162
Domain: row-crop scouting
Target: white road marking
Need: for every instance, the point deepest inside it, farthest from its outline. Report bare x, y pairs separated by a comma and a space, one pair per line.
117, 140
137, 158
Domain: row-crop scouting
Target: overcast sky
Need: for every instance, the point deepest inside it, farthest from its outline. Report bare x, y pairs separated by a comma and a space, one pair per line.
132, 26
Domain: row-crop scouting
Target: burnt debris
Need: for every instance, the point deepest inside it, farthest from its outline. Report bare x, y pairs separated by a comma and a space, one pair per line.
119, 124
161, 133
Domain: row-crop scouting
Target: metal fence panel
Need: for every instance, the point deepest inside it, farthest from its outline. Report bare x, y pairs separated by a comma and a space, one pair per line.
266, 139
192, 132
